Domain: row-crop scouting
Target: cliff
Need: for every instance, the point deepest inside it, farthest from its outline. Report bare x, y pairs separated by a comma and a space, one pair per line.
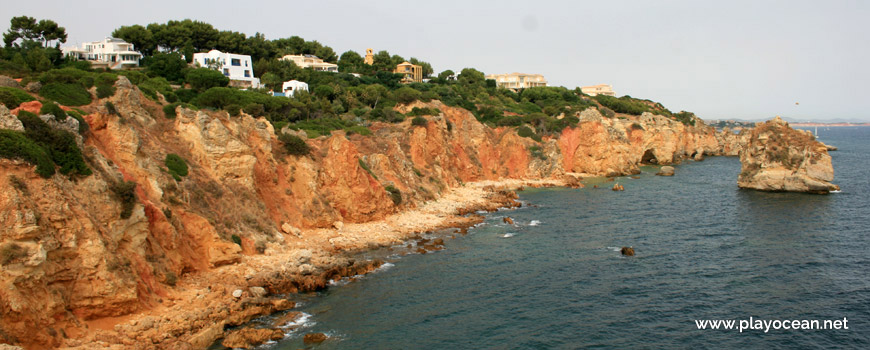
779, 158
249, 215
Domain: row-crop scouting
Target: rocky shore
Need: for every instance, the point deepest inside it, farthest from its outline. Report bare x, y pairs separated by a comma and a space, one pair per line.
173, 262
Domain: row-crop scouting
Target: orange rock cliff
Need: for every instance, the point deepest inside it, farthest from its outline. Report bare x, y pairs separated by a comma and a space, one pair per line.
76, 261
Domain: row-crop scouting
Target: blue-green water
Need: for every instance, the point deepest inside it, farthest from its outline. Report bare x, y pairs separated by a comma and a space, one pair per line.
705, 250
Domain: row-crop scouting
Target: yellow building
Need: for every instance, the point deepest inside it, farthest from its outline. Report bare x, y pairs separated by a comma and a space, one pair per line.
413, 73
370, 57
516, 81
600, 89
311, 61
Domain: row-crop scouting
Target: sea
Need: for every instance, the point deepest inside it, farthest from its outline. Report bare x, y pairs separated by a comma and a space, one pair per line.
555, 279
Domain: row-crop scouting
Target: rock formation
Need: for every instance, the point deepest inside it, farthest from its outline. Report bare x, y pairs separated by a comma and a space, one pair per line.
666, 170
252, 218
779, 158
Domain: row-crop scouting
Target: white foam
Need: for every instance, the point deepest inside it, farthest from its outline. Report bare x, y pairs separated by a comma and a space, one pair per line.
303, 321
508, 235
615, 249
837, 191
384, 267
534, 223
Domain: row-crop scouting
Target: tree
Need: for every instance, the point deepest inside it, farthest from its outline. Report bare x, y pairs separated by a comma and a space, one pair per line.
382, 61
203, 79
168, 65
350, 62
471, 76
427, 68
141, 38
28, 29
445, 74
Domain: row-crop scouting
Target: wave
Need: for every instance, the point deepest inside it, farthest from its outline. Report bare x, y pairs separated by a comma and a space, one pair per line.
534, 223
508, 235
303, 321
615, 249
837, 191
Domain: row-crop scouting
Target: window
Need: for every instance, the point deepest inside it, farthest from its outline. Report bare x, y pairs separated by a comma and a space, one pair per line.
236, 62
247, 74
226, 71
246, 63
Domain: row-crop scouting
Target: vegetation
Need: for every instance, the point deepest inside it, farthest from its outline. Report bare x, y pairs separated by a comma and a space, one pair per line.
176, 165
66, 94
60, 145
419, 121
10, 252
294, 144
14, 145
365, 167
53, 109
125, 191
12, 97
395, 194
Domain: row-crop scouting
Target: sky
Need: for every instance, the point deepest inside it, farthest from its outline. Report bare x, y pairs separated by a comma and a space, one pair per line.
806, 60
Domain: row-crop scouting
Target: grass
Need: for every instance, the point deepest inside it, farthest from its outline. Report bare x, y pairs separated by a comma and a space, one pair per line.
66, 94
366, 168
395, 194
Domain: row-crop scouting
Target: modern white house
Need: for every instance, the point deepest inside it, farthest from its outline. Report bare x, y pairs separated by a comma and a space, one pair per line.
290, 87
600, 89
239, 68
311, 61
110, 53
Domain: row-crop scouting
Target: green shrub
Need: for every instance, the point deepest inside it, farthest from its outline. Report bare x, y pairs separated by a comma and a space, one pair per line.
234, 110
202, 79
406, 95
417, 111
255, 110
237, 240
14, 145
67, 76
395, 194
525, 131
169, 110
125, 191
66, 94
358, 129
419, 121
176, 165
636, 126
185, 95
365, 167
60, 145
53, 109
84, 128
104, 91
607, 112
294, 145
12, 97
110, 108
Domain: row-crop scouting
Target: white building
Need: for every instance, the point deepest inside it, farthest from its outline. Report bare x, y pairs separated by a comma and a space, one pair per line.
600, 89
290, 87
239, 68
110, 53
311, 61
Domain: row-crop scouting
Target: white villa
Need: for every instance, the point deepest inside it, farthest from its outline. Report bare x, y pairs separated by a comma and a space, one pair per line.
311, 61
290, 87
239, 68
110, 53
600, 89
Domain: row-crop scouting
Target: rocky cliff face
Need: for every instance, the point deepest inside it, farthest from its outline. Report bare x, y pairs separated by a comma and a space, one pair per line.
70, 260
779, 158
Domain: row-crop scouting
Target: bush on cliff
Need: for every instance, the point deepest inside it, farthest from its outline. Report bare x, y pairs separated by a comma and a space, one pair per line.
12, 97
104, 91
66, 94
14, 145
294, 145
202, 79
53, 109
176, 165
125, 191
59, 144
419, 121
395, 194
525, 131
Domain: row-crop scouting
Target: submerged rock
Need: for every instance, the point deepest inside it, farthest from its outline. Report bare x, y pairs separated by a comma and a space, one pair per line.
627, 251
314, 338
508, 220
618, 187
779, 158
251, 337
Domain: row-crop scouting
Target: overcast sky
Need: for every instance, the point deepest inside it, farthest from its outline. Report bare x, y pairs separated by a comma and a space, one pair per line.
720, 59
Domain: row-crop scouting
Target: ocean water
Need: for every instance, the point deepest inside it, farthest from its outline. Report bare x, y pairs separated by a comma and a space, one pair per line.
556, 280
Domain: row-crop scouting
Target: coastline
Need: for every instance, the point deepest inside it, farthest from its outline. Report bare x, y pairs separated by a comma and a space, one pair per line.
197, 310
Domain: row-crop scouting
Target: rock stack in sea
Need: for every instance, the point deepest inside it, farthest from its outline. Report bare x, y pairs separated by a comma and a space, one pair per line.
779, 158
